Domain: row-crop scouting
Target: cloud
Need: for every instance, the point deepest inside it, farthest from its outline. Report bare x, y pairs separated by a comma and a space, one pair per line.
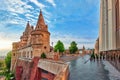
6, 42
38, 4
16, 6
51, 2
15, 14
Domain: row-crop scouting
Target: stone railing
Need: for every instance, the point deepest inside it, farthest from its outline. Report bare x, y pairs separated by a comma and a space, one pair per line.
59, 68
63, 75
25, 59
53, 55
50, 55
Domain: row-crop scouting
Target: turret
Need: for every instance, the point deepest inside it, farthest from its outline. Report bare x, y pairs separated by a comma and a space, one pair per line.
26, 34
41, 23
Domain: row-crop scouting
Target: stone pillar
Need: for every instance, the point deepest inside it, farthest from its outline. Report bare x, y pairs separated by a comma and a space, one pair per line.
29, 54
21, 55
117, 12
25, 54
101, 30
111, 25
103, 34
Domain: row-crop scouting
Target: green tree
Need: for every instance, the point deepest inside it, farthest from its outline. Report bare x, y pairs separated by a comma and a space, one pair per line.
8, 60
59, 47
73, 47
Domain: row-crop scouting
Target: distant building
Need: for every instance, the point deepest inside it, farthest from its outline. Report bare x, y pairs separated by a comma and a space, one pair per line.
83, 50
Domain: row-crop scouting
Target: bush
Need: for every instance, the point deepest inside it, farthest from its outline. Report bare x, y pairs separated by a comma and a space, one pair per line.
9, 76
43, 55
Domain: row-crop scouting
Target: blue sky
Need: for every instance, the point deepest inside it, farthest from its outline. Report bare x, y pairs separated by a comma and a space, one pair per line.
68, 20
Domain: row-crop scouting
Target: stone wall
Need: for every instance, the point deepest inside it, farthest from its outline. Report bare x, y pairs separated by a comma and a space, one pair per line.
58, 68
27, 69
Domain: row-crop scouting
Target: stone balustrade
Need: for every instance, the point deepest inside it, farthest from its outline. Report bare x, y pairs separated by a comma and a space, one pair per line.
63, 75
59, 68
33, 69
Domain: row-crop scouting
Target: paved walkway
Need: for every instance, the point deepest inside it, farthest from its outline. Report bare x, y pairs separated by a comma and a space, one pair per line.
79, 66
113, 73
84, 69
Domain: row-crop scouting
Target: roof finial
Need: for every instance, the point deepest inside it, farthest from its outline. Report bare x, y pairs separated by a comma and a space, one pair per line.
40, 11
28, 22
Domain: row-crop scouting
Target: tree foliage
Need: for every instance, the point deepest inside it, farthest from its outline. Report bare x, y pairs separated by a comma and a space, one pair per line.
8, 60
1, 64
73, 47
59, 47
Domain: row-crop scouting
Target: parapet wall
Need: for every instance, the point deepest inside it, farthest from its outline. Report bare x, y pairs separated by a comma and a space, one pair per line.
23, 69
59, 68
63, 75
27, 69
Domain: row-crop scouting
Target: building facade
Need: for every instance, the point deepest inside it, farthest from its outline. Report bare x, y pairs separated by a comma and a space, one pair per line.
32, 43
109, 34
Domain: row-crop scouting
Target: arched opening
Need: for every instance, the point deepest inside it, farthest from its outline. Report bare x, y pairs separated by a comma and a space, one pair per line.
31, 54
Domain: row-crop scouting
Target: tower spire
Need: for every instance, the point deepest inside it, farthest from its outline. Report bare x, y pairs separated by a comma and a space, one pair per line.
28, 29
27, 26
40, 11
41, 23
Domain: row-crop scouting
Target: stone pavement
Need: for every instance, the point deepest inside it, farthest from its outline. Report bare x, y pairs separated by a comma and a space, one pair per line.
114, 74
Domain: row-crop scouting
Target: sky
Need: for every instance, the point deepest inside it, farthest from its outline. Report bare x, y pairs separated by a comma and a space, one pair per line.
67, 20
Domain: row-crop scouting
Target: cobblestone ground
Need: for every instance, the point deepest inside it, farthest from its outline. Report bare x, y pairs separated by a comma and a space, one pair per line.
114, 74
84, 69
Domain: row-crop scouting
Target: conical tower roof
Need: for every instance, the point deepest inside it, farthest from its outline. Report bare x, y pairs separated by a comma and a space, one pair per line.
28, 29
41, 23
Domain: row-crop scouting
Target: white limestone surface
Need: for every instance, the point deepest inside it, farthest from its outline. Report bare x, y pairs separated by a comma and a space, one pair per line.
52, 66
113, 73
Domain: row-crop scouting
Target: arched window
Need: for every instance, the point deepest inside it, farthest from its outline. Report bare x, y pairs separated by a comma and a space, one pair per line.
13, 54
45, 47
27, 54
31, 54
